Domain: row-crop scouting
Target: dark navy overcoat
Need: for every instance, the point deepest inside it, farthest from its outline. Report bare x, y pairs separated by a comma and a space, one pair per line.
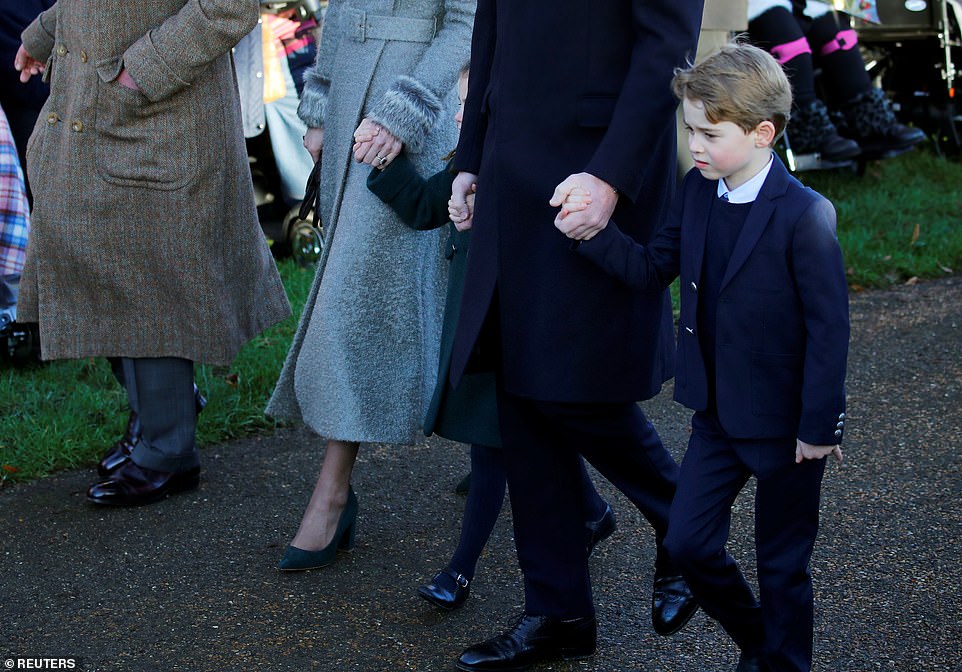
558, 88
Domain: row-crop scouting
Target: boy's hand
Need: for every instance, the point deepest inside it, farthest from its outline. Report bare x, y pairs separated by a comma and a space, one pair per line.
26, 65
461, 203
806, 451
584, 224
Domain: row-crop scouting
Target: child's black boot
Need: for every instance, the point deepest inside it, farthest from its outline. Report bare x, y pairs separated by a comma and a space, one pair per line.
811, 131
869, 118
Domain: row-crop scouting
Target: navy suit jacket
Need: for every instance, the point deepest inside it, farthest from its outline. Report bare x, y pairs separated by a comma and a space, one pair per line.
782, 321
559, 87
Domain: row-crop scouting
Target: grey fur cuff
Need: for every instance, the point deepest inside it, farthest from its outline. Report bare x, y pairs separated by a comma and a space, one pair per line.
409, 110
313, 106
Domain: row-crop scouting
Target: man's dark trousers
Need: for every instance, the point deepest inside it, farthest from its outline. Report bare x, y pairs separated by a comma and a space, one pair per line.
161, 392
542, 442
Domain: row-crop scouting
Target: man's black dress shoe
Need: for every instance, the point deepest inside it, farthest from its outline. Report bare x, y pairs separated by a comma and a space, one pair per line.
463, 485
119, 453
672, 604
132, 485
448, 589
533, 639
750, 662
601, 529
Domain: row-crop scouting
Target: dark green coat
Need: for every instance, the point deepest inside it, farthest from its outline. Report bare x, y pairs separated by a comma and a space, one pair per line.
469, 412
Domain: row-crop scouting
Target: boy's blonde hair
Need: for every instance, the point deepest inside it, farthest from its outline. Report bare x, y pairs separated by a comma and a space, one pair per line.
739, 83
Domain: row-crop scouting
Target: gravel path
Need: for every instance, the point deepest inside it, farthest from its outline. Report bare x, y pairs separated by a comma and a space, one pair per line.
189, 584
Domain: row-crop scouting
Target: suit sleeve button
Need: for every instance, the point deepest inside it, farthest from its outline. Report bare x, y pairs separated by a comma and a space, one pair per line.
838, 433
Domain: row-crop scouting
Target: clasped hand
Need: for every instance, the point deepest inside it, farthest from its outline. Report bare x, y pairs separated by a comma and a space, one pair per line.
586, 203
577, 219
461, 203
375, 145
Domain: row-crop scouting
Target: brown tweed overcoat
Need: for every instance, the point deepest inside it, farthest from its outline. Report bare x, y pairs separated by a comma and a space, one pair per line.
144, 240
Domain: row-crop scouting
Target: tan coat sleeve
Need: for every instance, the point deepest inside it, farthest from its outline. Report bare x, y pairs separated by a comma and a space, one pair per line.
168, 58
38, 37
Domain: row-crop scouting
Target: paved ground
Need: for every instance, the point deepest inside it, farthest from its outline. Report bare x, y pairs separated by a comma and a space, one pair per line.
190, 584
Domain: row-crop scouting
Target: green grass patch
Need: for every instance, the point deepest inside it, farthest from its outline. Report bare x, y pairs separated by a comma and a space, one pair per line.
65, 414
901, 220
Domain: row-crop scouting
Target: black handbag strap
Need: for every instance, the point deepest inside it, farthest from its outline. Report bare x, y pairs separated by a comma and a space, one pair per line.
312, 193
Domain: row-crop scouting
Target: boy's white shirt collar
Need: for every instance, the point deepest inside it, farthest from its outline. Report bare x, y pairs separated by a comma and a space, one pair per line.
747, 192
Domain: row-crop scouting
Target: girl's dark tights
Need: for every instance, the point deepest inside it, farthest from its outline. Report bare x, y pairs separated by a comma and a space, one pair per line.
484, 502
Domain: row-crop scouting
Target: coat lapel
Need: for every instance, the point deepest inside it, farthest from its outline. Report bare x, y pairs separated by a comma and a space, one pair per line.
758, 218
699, 226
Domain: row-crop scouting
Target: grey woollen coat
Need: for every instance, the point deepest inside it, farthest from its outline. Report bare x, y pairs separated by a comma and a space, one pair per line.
364, 361
145, 240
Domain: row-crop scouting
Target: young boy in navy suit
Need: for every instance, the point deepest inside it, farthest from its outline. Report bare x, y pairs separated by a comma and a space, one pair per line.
762, 347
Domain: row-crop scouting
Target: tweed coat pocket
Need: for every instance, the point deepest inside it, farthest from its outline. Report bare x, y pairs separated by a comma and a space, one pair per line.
143, 143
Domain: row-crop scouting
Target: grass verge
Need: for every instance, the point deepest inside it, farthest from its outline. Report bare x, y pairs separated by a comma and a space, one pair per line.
64, 414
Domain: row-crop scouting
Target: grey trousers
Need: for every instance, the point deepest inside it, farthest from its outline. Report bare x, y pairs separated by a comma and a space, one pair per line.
161, 393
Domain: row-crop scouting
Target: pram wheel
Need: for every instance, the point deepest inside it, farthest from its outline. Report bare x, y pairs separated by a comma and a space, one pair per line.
20, 344
307, 243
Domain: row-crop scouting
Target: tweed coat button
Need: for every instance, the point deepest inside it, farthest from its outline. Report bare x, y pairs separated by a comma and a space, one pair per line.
77, 126
52, 118
838, 433
83, 56
61, 50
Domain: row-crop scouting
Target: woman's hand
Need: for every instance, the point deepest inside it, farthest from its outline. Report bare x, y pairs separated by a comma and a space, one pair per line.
314, 142
26, 65
124, 79
375, 145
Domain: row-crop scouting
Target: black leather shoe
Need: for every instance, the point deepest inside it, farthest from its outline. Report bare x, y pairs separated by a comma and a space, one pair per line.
119, 453
463, 485
750, 662
448, 589
601, 529
533, 639
132, 485
672, 604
